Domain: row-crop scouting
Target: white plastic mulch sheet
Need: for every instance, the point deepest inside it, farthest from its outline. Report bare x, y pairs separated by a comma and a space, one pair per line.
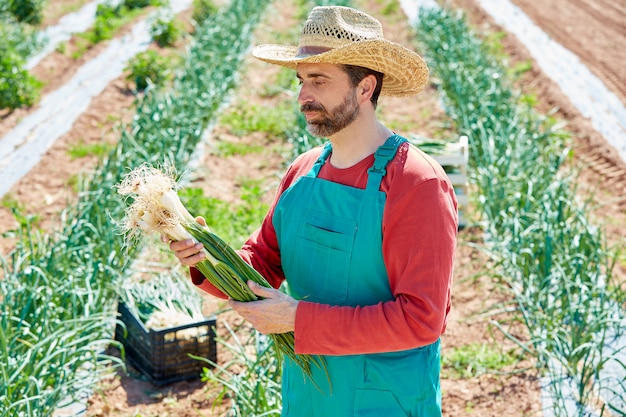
22, 148
588, 93
611, 392
608, 116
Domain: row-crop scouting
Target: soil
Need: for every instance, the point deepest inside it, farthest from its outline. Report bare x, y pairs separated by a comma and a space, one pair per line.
591, 29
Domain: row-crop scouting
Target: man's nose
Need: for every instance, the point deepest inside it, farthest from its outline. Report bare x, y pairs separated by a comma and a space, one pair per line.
304, 96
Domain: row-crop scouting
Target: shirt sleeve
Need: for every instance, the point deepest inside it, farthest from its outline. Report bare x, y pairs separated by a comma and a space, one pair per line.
419, 239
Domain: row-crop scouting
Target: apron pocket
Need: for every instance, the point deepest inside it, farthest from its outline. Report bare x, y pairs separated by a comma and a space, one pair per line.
375, 403
320, 268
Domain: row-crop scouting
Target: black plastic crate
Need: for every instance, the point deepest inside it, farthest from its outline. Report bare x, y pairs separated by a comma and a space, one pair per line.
163, 355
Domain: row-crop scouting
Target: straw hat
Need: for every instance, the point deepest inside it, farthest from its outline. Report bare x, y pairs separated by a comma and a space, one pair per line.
342, 35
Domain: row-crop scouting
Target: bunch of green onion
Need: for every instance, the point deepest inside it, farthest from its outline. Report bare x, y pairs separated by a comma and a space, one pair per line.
156, 208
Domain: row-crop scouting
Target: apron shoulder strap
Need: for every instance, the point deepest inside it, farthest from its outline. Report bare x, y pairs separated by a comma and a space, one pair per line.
315, 169
383, 155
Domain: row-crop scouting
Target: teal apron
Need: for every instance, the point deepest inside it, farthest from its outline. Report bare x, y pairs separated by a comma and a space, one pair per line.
330, 240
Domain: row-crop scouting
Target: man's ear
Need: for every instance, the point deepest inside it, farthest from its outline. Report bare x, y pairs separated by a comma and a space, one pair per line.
366, 88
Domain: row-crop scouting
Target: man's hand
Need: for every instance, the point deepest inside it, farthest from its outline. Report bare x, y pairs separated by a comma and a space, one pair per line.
187, 252
276, 313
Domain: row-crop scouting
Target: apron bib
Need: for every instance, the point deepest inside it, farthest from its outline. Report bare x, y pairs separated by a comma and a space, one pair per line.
330, 240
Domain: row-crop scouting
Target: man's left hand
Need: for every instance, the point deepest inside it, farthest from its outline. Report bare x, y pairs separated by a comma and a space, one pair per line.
275, 313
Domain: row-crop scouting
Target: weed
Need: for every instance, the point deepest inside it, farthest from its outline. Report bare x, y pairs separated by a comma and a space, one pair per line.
82, 149
234, 223
147, 68
475, 359
202, 10
166, 30
17, 87
227, 149
9, 201
251, 379
245, 118
62, 48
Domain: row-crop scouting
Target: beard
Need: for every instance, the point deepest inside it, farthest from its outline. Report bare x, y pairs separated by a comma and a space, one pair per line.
328, 123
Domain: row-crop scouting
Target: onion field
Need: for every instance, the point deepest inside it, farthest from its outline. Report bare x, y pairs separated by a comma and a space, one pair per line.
533, 240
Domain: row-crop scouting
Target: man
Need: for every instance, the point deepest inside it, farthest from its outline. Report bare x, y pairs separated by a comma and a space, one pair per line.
363, 230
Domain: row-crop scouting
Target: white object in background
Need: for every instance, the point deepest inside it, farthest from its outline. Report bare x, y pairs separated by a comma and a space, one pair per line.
455, 157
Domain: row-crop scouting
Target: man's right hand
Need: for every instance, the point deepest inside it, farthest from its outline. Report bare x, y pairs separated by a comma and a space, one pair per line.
187, 252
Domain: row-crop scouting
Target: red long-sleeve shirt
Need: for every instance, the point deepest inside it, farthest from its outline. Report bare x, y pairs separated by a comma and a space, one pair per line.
419, 239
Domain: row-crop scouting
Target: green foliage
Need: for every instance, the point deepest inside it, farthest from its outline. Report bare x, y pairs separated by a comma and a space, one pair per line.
390, 7
18, 37
166, 30
110, 17
521, 68
203, 10
108, 20
147, 68
27, 11
31, 221
297, 135
10, 202
245, 118
233, 222
62, 47
83, 42
227, 149
475, 359
82, 149
58, 290
17, 87
140, 4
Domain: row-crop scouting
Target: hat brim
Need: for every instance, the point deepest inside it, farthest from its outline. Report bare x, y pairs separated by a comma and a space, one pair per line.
405, 72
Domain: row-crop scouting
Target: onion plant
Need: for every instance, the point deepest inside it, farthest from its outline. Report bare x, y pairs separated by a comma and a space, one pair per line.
251, 380
554, 261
